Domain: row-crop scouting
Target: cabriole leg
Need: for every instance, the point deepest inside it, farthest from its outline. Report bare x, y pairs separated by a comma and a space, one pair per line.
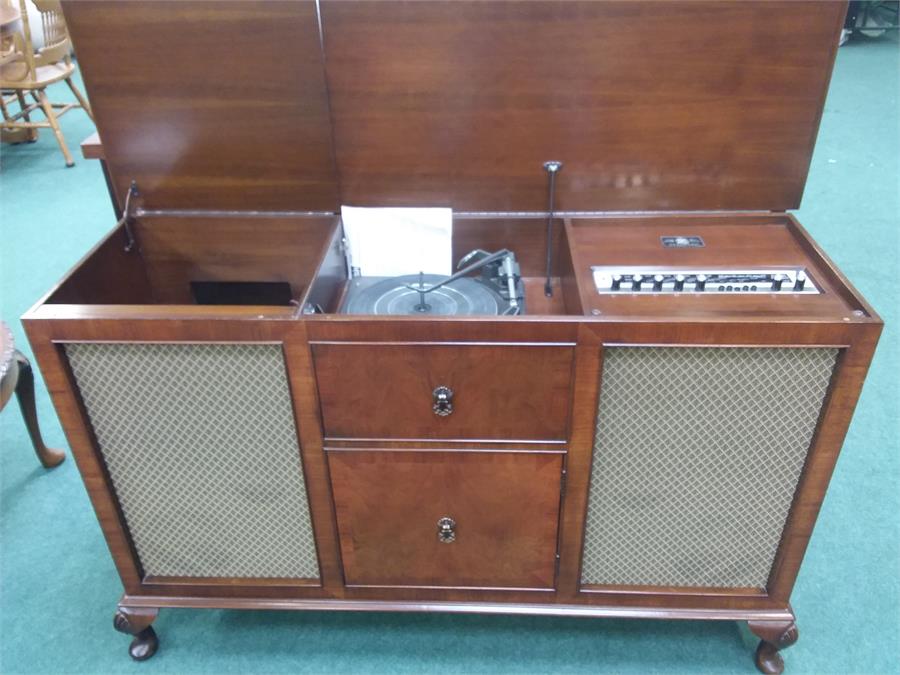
774, 636
136, 621
25, 394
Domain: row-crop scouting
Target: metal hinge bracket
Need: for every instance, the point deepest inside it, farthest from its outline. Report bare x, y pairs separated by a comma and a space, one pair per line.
552, 168
127, 215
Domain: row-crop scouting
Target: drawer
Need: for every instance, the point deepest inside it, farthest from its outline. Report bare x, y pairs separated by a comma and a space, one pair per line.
503, 511
518, 392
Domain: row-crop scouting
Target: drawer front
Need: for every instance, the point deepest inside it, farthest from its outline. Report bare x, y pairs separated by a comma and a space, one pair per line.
498, 391
502, 513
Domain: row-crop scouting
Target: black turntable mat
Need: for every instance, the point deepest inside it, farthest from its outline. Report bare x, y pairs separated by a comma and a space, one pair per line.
462, 297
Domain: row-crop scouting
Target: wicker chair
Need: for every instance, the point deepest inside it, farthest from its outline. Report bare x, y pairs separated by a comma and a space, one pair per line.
24, 71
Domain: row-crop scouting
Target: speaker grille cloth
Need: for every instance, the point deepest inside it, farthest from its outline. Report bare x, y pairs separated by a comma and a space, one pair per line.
697, 455
202, 449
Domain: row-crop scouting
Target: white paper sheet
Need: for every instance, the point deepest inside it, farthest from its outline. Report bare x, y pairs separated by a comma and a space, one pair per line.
389, 242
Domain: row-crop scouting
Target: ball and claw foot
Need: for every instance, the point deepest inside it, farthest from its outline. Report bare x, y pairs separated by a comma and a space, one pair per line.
136, 622
774, 636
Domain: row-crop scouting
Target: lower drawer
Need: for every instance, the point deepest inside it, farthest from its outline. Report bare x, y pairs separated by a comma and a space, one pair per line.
447, 519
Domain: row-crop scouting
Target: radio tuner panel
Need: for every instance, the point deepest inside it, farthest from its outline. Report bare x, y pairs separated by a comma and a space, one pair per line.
623, 280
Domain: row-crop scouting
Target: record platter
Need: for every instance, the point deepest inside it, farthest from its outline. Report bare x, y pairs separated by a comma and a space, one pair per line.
497, 291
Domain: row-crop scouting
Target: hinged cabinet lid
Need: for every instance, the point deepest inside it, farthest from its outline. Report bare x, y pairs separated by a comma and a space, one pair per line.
688, 105
648, 105
210, 105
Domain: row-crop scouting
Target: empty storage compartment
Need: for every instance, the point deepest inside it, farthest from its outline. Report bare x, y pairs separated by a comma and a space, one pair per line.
231, 260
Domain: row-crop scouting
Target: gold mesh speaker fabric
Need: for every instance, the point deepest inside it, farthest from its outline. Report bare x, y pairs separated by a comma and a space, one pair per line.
201, 447
697, 456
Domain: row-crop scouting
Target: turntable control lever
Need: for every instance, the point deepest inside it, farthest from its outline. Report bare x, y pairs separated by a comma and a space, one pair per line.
443, 401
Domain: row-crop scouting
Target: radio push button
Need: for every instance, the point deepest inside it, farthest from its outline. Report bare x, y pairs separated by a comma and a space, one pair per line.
658, 282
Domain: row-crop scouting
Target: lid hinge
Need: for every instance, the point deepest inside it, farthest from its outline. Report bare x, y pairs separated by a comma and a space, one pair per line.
552, 168
127, 215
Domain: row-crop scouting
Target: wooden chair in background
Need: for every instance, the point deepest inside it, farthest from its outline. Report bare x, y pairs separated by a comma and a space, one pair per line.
24, 71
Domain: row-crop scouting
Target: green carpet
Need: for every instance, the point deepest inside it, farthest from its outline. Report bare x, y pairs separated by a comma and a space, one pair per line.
58, 587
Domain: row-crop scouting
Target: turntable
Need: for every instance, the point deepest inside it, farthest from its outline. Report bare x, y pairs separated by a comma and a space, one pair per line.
497, 291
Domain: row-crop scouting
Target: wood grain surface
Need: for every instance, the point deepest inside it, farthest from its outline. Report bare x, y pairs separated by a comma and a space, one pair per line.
504, 506
499, 391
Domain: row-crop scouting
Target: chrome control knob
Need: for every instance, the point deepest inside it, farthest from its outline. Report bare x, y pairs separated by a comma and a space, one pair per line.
679, 282
800, 282
658, 282
701, 282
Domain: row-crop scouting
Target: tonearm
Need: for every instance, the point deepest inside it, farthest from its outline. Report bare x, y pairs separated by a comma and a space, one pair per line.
505, 275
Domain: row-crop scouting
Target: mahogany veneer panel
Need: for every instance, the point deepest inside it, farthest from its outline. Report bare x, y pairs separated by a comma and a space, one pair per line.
526, 237
215, 105
499, 391
650, 105
738, 242
106, 275
505, 506
177, 251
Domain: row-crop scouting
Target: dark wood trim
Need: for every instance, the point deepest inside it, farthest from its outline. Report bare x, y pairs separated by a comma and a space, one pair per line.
586, 392
837, 26
163, 581
318, 482
336, 441
502, 589
68, 312
513, 451
443, 343
676, 590
443, 444
673, 611
68, 406
837, 413
836, 278
303, 457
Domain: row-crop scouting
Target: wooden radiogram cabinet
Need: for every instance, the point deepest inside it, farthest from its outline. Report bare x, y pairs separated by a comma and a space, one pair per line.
650, 436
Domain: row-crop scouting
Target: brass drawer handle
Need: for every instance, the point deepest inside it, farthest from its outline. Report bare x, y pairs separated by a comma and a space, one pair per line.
443, 401
446, 530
